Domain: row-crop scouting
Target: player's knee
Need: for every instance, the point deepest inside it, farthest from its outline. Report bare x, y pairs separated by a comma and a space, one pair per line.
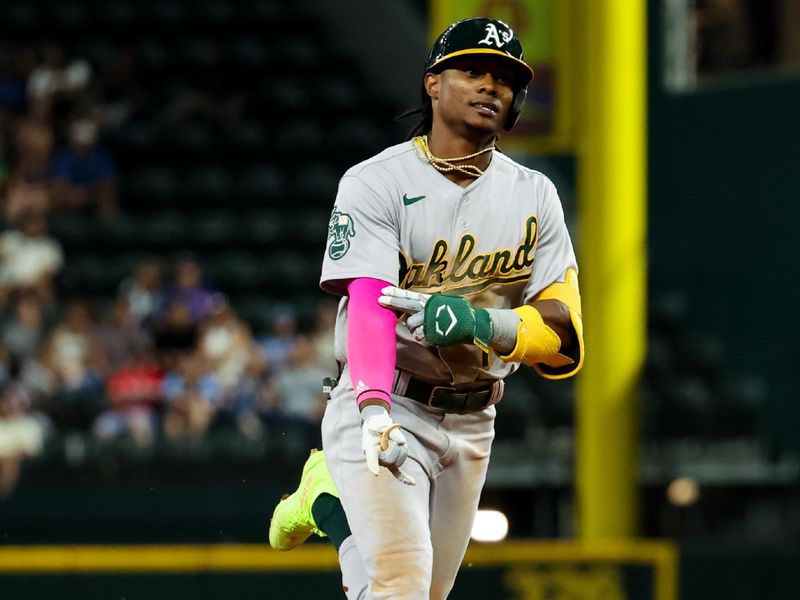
402, 574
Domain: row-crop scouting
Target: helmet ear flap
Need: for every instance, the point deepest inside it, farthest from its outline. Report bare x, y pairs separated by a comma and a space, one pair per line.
515, 109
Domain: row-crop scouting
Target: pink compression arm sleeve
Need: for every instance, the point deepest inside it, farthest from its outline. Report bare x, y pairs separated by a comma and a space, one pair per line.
371, 340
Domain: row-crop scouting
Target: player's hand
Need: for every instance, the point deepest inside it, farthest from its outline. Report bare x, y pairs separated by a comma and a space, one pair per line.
383, 443
407, 302
441, 319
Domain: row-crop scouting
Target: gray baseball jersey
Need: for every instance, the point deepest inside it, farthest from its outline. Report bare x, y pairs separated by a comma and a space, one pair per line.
499, 241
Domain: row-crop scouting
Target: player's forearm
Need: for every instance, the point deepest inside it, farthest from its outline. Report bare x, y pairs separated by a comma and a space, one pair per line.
555, 315
371, 343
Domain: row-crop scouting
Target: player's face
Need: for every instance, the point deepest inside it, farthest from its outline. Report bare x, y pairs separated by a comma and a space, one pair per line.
475, 92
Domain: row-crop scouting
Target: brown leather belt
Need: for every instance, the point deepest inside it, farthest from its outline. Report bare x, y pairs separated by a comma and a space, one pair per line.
449, 399
440, 397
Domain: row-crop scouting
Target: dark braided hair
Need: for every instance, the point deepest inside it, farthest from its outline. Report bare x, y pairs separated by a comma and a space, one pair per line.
424, 114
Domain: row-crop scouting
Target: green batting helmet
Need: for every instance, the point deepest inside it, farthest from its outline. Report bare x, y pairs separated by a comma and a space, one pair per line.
480, 35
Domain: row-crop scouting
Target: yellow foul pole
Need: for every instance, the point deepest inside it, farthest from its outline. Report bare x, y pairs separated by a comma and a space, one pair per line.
611, 180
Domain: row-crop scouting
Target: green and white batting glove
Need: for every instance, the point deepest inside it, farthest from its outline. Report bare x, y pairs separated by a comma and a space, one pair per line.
440, 319
383, 443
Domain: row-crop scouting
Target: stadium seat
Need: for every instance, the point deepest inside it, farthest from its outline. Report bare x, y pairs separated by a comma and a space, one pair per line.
249, 139
301, 137
667, 311
92, 274
134, 141
122, 232
660, 364
360, 137
113, 14
291, 97
213, 228
187, 142
100, 53
152, 55
261, 185
306, 303
554, 401
256, 309
207, 185
213, 13
292, 272
73, 231
147, 187
310, 226
315, 183
248, 52
299, 53
699, 354
20, 16
337, 95
164, 230
304, 229
163, 13
518, 411
197, 53
264, 228
67, 15
686, 408
237, 272
742, 406
262, 13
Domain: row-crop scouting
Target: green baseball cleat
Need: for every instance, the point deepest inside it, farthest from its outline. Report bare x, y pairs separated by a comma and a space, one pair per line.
292, 522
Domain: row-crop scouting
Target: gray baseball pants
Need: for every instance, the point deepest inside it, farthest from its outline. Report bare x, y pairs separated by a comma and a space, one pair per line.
408, 541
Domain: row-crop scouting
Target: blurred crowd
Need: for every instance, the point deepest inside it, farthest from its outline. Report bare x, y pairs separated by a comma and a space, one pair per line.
166, 362
731, 35
50, 117
168, 359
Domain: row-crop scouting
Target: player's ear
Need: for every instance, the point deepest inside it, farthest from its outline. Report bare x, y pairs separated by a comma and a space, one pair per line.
431, 83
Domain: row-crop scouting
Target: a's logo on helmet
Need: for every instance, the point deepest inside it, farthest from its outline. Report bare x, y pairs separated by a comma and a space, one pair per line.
494, 37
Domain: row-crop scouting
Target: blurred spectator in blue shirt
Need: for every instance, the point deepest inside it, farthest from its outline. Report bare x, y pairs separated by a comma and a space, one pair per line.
277, 344
193, 395
299, 384
23, 332
252, 394
298, 401
142, 291
83, 174
15, 64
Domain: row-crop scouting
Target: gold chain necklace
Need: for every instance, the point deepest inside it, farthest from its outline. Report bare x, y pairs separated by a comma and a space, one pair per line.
446, 165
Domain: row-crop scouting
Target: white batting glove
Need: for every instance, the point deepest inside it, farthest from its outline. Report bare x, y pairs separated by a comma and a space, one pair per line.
407, 302
383, 443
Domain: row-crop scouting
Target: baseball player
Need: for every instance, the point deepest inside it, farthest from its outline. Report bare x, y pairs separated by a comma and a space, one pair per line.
455, 266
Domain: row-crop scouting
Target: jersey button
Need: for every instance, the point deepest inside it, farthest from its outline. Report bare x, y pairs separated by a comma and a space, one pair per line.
463, 224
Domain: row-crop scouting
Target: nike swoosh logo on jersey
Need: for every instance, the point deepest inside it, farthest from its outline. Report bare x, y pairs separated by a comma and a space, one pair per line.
409, 201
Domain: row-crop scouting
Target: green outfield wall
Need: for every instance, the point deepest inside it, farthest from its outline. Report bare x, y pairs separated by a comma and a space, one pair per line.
724, 207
